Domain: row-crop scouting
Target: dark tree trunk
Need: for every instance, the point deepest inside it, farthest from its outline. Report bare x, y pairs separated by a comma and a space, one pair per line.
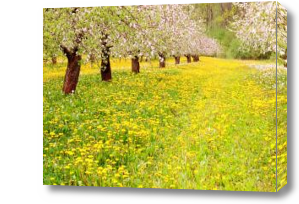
135, 64
195, 58
106, 68
105, 64
285, 57
188, 58
54, 60
72, 72
162, 63
177, 59
73, 64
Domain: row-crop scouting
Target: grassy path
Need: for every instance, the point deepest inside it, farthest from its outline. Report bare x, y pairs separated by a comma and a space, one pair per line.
220, 147
206, 125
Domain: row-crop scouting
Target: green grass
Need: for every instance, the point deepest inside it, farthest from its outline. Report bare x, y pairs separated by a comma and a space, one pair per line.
207, 125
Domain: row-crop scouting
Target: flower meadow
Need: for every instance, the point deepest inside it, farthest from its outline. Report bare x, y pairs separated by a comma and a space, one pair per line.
208, 125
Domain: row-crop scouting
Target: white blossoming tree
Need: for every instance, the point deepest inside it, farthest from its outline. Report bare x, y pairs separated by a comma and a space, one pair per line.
66, 30
255, 26
81, 31
99, 33
160, 30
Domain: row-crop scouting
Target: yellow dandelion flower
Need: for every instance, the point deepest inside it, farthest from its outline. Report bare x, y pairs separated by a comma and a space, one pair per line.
88, 172
70, 153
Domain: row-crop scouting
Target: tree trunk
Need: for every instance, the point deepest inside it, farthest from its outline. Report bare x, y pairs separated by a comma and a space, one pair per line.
188, 58
135, 64
106, 68
285, 58
195, 58
105, 63
222, 8
72, 73
209, 16
162, 60
92, 58
177, 59
225, 8
54, 60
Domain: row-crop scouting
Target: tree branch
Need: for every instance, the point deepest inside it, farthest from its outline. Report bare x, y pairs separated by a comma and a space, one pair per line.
66, 51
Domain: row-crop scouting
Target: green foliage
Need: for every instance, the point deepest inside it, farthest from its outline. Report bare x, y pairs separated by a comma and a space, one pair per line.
227, 41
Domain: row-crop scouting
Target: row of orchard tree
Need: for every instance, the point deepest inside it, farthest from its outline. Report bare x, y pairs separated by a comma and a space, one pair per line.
97, 34
122, 32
